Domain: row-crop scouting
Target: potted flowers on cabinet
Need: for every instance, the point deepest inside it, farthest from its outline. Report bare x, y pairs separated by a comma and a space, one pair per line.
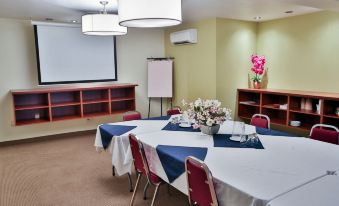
207, 115
258, 68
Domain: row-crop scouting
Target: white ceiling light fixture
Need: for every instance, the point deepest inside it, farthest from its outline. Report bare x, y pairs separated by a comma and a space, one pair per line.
102, 24
149, 13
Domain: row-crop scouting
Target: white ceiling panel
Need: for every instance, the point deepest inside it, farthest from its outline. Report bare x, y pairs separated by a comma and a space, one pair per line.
193, 10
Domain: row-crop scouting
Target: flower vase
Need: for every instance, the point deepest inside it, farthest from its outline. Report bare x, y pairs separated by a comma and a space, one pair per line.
210, 130
257, 85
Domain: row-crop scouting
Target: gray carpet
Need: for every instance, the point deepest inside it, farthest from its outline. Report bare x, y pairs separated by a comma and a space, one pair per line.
67, 171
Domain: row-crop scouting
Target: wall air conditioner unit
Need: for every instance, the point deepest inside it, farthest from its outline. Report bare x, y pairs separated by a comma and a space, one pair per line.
189, 36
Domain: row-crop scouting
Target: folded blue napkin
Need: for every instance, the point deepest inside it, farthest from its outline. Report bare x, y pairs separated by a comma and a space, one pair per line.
109, 131
173, 158
176, 127
223, 140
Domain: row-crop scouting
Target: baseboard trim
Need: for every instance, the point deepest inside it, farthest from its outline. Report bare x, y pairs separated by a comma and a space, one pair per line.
46, 138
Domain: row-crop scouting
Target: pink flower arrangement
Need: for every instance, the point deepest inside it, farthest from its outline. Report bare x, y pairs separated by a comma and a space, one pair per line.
258, 67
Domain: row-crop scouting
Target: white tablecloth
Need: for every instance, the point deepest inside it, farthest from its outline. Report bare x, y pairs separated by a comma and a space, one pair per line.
248, 176
120, 149
322, 192
242, 176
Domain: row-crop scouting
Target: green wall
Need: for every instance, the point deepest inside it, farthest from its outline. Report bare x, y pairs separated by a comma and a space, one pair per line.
194, 67
216, 65
236, 42
302, 51
301, 54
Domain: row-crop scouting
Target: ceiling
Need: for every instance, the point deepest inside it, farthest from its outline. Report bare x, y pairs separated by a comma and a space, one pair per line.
193, 10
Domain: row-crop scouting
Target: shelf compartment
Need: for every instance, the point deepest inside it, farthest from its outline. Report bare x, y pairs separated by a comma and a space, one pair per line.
117, 93
32, 116
122, 106
330, 107
95, 96
96, 109
276, 116
271, 99
246, 111
249, 98
295, 105
331, 121
65, 98
307, 120
66, 112
30, 101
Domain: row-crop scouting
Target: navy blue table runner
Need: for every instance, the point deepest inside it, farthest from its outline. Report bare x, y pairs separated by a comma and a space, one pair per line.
176, 127
108, 131
223, 140
173, 158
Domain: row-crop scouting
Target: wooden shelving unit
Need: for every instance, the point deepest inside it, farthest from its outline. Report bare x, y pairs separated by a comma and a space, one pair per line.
66, 103
267, 101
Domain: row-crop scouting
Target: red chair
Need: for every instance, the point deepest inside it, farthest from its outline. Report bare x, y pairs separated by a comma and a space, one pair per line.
260, 120
129, 116
325, 133
142, 168
174, 111
200, 183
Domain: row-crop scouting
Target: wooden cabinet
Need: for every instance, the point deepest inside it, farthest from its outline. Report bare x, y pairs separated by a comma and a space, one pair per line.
284, 106
63, 103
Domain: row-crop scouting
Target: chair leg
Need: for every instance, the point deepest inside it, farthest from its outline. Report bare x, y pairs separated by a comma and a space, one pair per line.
155, 194
145, 189
113, 171
135, 189
130, 182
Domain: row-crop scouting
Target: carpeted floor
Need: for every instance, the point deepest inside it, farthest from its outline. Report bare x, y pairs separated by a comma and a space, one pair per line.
67, 171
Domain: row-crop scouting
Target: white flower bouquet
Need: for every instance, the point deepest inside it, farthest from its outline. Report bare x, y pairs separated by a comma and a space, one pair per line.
206, 112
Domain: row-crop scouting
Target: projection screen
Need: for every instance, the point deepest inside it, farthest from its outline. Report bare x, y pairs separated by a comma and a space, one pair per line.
65, 55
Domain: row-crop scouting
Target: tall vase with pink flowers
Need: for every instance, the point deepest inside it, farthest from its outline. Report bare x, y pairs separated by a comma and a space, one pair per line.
258, 68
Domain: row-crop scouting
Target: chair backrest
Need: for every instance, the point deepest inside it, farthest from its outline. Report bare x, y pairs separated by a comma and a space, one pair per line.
200, 183
260, 120
137, 156
325, 133
129, 116
173, 111
140, 160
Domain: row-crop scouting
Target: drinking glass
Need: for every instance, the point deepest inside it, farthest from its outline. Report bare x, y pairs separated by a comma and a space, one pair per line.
238, 131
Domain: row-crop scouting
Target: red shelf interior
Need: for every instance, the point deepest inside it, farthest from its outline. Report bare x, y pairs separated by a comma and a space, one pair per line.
245, 97
122, 93
96, 109
67, 112
306, 120
94, 96
271, 99
330, 107
28, 116
276, 116
65, 98
246, 111
29, 101
120, 107
331, 121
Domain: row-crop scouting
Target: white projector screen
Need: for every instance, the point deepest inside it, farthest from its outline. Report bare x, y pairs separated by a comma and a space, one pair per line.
65, 55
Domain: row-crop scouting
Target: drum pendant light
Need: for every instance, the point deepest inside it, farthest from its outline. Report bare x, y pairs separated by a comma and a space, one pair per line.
149, 13
102, 24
